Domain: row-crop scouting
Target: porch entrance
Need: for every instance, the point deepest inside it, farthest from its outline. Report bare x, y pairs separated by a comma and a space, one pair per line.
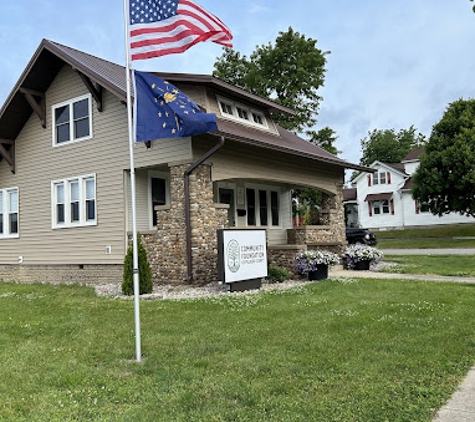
226, 196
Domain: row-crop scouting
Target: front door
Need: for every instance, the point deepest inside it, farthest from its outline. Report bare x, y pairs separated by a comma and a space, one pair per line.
226, 196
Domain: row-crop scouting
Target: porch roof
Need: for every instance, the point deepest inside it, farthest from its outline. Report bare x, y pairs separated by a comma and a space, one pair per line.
286, 142
383, 196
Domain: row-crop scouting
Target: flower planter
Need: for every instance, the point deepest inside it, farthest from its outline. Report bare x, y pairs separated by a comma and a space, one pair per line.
321, 273
362, 265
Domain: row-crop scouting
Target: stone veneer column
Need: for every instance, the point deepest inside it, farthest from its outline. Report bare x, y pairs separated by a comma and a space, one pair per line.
206, 219
167, 247
337, 216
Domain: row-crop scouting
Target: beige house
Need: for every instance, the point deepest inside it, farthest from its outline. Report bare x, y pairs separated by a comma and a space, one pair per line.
64, 177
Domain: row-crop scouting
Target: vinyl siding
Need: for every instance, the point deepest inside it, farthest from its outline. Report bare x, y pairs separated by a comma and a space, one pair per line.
106, 154
238, 161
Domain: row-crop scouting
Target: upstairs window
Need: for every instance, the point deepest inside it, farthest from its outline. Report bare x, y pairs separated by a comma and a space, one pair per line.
381, 178
242, 113
72, 120
226, 108
74, 202
9, 212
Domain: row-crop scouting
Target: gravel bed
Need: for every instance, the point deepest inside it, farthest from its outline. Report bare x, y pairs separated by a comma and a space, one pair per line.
169, 292
188, 292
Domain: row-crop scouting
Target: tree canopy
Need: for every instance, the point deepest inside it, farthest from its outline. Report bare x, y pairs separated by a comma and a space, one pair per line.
290, 71
389, 146
445, 179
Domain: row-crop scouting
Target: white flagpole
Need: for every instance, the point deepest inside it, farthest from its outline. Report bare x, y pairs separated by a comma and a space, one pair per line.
128, 68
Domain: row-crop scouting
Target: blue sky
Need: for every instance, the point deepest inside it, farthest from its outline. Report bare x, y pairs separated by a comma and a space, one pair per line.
393, 64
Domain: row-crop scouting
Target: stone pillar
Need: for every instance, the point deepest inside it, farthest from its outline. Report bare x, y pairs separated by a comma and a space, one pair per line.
167, 247
336, 213
206, 219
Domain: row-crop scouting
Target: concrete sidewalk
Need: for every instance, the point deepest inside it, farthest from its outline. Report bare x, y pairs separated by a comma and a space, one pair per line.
339, 272
461, 406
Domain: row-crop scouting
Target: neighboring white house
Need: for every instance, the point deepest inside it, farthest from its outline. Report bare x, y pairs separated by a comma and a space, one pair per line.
383, 200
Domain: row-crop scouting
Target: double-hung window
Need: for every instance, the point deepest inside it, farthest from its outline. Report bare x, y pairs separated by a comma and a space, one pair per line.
74, 202
381, 178
72, 120
381, 207
9, 212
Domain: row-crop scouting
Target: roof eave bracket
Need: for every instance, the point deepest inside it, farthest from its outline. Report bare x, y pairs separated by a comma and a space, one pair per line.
95, 90
38, 107
9, 156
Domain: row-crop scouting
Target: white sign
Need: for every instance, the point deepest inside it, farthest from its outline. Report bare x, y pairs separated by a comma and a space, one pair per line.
244, 254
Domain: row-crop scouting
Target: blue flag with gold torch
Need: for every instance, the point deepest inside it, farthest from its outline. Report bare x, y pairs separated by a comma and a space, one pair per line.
163, 111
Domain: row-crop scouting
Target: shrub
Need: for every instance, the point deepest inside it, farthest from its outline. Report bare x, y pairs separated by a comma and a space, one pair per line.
277, 274
145, 271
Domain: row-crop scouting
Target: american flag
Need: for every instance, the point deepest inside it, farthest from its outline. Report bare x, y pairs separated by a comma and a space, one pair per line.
161, 27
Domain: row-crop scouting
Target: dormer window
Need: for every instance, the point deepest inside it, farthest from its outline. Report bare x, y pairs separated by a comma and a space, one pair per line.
242, 113
257, 118
226, 108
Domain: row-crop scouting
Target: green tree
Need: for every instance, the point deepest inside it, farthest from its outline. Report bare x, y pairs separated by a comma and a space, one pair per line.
445, 179
145, 272
389, 146
325, 138
290, 71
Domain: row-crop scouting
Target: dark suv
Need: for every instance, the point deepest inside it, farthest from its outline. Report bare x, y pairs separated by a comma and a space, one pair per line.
358, 235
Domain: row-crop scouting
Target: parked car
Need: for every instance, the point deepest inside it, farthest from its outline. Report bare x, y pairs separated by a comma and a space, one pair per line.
359, 235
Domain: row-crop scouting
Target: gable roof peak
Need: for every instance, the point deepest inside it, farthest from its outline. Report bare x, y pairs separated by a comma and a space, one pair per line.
413, 155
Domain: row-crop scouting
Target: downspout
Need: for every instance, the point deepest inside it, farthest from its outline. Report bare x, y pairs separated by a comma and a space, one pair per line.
188, 171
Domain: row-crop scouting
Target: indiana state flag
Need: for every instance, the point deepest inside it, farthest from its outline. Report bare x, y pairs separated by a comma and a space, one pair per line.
162, 111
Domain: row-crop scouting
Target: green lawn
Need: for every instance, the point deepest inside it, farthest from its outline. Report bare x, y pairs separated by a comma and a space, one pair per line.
451, 236
424, 243
361, 350
433, 232
447, 265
